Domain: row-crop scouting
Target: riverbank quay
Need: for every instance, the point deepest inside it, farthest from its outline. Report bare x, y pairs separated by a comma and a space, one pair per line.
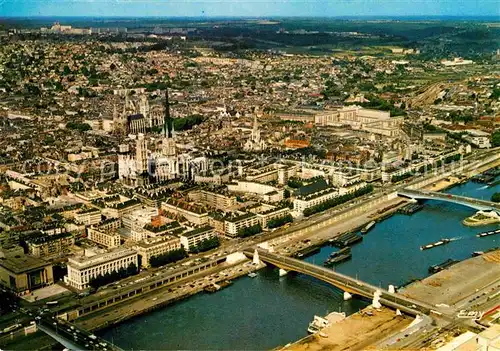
357, 332
457, 286
160, 298
318, 236
124, 309
468, 291
357, 205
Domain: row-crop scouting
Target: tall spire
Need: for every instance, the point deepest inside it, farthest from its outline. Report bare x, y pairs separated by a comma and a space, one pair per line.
167, 121
125, 106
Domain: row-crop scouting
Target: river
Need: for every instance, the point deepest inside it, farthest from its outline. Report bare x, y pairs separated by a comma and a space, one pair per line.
267, 311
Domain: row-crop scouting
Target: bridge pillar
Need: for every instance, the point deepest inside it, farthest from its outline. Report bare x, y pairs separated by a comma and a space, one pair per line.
376, 299
256, 260
283, 272
347, 296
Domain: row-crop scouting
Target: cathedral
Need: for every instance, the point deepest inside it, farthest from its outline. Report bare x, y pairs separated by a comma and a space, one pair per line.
255, 143
136, 117
142, 166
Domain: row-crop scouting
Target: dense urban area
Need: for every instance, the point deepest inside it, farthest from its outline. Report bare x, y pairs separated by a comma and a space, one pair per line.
142, 162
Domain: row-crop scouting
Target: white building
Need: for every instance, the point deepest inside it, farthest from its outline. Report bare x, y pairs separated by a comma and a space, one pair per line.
194, 213
272, 214
194, 237
81, 269
478, 138
214, 199
265, 192
303, 202
139, 217
108, 239
151, 247
457, 61
359, 118
234, 224
89, 216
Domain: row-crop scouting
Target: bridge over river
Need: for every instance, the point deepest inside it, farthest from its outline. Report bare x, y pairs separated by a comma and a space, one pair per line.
344, 282
72, 337
477, 204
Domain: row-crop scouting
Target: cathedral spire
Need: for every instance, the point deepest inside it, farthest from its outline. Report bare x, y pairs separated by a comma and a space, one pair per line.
167, 120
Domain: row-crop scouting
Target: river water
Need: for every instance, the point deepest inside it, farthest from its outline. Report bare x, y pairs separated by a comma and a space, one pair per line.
267, 311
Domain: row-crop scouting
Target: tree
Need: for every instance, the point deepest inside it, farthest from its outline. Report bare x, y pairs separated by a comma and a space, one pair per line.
337, 200
495, 197
250, 231
122, 273
82, 127
278, 222
495, 138
205, 245
169, 257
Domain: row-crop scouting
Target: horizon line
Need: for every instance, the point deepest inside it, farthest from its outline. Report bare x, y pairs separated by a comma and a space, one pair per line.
253, 17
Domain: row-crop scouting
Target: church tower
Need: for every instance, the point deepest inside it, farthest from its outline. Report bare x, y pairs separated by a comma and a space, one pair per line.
168, 142
141, 154
167, 120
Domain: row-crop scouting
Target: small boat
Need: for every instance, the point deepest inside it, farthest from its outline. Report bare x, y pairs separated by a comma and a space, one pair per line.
437, 243
252, 274
337, 259
345, 250
439, 267
493, 232
368, 227
312, 329
317, 324
214, 287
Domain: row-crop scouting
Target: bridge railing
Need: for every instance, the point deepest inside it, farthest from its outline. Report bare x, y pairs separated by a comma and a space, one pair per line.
362, 288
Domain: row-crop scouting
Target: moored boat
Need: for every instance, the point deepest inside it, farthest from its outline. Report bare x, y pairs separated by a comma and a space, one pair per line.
368, 227
492, 232
214, 287
436, 244
337, 259
343, 251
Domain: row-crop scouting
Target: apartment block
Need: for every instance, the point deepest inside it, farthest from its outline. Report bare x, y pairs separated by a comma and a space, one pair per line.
81, 269
151, 247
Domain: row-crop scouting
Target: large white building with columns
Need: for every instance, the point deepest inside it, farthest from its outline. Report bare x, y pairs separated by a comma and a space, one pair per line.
81, 269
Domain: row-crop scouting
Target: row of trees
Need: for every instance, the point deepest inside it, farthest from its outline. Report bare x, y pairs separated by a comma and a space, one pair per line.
82, 127
495, 138
380, 104
187, 123
398, 178
495, 197
338, 200
184, 123
206, 245
250, 231
278, 222
114, 276
169, 257
295, 183
425, 168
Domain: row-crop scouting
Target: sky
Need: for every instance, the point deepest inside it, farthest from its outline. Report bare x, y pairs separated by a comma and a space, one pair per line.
248, 8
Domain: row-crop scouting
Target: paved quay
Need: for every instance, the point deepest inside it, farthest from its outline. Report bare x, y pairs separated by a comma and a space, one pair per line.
357, 332
456, 285
162, 297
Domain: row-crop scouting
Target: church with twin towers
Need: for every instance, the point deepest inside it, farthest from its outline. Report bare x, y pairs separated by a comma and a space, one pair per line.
144, 158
